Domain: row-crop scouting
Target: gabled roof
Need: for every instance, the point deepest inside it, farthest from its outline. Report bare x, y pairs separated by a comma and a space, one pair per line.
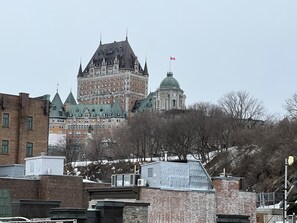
57, 107
70, 99
108, 52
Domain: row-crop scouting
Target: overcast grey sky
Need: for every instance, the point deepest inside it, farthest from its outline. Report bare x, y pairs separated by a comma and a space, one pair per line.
219, 45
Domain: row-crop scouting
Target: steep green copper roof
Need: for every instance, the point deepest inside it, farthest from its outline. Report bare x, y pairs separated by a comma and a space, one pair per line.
169, 82
144, 104
70, 99
102, 111
57, 108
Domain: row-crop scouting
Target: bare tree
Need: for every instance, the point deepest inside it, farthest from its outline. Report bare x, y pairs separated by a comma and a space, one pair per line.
291, 106
69, 147
180, 134
122, 143
99, 145
210, 126
144, 131
241, 105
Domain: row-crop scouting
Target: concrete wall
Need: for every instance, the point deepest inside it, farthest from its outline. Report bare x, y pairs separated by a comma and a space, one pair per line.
179, 206
13, 170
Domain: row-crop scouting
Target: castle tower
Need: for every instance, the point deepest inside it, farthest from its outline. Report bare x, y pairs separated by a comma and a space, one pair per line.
169, 96
113, 74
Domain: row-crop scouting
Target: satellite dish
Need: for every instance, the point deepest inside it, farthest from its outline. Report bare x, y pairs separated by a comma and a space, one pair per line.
290, 160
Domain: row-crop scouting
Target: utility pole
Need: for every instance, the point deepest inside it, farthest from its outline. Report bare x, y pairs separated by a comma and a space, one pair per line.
288, 161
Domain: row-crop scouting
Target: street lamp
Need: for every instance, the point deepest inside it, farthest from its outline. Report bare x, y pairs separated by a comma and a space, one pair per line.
288, 162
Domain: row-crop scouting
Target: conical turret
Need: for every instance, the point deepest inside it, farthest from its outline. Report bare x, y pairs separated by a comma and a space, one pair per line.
145, 70
80, 73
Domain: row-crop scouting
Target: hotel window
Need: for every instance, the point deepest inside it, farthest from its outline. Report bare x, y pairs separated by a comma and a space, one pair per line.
4, 149
5, 120
30, 122
29, 149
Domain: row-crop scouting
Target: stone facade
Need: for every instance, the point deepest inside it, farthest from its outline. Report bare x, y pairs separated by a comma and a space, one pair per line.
24, 127
73, 125
112, 75
169, 96
135, 214
179, 206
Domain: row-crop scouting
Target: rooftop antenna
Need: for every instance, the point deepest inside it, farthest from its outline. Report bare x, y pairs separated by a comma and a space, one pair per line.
127, 34
100, 38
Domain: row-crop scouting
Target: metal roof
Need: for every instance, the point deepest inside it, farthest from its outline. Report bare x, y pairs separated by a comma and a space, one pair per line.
185, 176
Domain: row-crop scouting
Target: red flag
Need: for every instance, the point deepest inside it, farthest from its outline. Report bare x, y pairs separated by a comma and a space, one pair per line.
172, 58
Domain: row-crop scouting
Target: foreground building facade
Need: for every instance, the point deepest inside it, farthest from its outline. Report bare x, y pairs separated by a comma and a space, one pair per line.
181, 192
24, 127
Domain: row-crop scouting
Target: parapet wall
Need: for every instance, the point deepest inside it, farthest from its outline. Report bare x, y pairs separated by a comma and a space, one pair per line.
179, 206
231, 200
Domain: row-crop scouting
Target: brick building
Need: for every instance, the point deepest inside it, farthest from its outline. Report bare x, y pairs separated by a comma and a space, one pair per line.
42, 179
182, 192
113, 74
24, 127
73, 124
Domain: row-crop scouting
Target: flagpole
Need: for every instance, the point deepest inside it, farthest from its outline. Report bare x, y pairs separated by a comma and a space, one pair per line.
169, 64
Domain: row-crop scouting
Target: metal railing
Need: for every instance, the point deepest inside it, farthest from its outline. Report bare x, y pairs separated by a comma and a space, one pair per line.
37, 220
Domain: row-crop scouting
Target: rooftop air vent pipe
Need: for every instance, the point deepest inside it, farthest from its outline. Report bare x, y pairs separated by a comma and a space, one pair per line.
165, 156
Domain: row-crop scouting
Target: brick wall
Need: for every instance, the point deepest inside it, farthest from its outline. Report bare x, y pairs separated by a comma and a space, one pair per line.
70, 190
179, 206
18, 134
67, 189
21, 188
232, 201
